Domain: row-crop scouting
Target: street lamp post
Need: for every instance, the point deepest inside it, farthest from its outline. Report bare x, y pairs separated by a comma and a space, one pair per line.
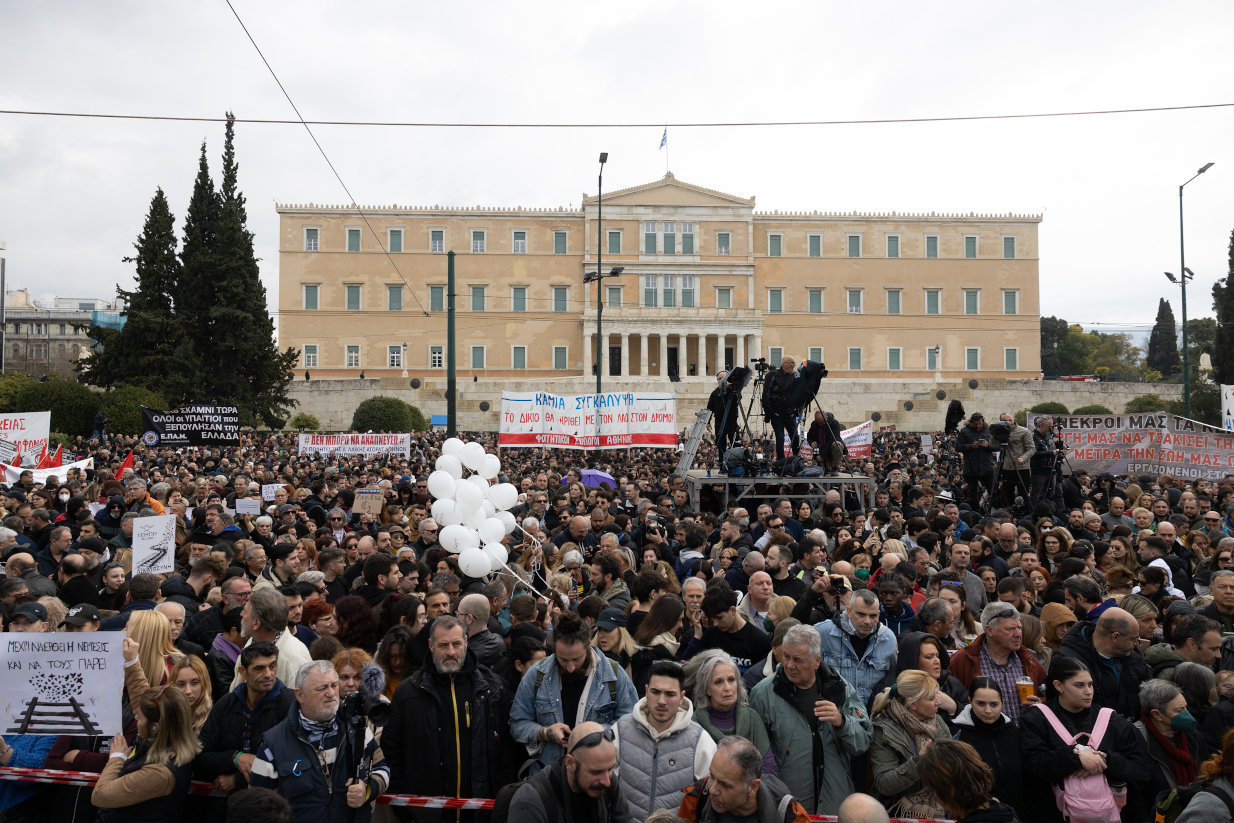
600, 268
1182, 266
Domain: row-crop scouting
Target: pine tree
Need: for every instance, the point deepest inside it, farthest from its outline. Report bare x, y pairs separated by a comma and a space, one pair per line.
1162, 353
195, 293
139, 354
1223, 305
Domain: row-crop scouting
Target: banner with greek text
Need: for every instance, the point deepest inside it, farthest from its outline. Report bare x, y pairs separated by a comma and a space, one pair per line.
613, 420
195, 426
1227, 407
27, 432
399, 444
859, 439
12, 475
1153, 443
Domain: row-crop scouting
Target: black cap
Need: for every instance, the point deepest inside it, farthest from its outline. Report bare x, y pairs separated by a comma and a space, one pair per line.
610, 619
92, 544
31, 611
81, 614
16, 494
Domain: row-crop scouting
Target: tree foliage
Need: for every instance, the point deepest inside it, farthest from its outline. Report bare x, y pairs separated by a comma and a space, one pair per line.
1053, 330
10, 386
1118, 355
1095, 408
1223, 339
1148, 403
123, 408
71, 404
197, 328
1075, 351
384, 414
1049, 408
303, 421
1162, 353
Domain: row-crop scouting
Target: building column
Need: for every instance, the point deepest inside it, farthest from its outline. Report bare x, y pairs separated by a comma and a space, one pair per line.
757, 349
644, 344
588, 342
625, 354
739, 352
702, 354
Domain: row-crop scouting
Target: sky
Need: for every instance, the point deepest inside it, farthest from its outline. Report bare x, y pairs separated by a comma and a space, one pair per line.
74, 191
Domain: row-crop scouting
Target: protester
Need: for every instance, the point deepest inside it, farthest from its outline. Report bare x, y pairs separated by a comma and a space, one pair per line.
962, 784
985, 727
906, 723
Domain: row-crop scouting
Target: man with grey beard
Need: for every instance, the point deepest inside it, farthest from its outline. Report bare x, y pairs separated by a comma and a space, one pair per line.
448, 733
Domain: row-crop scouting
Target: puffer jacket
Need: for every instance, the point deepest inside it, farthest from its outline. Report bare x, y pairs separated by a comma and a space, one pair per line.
865, 673
820, 790
977, 462
655, 767
893, 758
234, 727
998, 744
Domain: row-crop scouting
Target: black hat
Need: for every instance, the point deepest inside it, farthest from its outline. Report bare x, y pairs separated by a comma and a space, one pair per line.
976, 416
202, 534
92, 544
31, 611
16, 494
81, 614
612, 619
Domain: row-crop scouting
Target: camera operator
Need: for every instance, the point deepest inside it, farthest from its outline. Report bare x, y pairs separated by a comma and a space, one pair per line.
777, 406
974, 443
828, 594
1017, 452
1048, 447
723, 414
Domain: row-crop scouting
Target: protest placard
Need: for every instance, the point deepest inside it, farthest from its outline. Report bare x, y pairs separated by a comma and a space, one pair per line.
368, 501
154, 544
859, 439
614, 420
58, 684
248, 506
268, 490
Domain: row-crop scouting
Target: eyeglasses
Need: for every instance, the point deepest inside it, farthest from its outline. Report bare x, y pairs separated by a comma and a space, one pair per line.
428, 531
592, 740
336, 520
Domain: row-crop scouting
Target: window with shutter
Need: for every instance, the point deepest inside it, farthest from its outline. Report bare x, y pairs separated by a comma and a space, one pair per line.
353, 240
722, 242
437, 298
310, 356
559, 242
893, 246
932, 301
972, 359
1009, 302
614, 297
970, 302
477, 357
561, 300
561, 360
773, 245
816, 301
893, 359
477, 298
670, 238
649, 238
854, 301
353, 357
477, 242
438, 242
520, 242
775, 301
670, 291
724, 298
396, 241
518, 299
310, 297
970, 247
353, 298
1009, 248
687, 291
816, 354
816, 245
931, 245
1011, 359
649, 291
687, 238
394, 298
310, 239
519, 358
436, 357
394, 357
854, 359
775, 356
893, 302
854, 245
614, 242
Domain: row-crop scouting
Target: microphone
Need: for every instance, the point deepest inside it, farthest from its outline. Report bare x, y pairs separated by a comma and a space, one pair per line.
372, 682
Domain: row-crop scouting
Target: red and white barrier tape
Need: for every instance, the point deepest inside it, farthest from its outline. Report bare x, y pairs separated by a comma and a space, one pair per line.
202, 788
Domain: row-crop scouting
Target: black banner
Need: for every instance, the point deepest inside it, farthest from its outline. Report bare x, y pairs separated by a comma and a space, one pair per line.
194, 426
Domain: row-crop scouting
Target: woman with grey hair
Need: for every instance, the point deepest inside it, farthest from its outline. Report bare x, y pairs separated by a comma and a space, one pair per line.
1173, 745
721, 704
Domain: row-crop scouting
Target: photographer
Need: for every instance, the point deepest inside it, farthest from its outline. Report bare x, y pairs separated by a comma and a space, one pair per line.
1047, 449
1018, 450
777, 406
974, 443
828, 594
722, 404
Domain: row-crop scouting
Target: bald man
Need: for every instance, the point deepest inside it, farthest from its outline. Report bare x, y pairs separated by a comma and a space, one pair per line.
473, 611
861, 808
587, 769
1104, 646
757, 603
579, 533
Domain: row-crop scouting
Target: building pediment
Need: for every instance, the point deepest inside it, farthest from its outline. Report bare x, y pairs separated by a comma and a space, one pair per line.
669, 191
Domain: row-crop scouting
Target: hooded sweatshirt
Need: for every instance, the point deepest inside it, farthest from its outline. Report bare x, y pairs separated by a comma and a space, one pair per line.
655, 766
1054, 615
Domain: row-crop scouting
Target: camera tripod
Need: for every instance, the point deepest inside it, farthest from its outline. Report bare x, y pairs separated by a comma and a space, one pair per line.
988, 501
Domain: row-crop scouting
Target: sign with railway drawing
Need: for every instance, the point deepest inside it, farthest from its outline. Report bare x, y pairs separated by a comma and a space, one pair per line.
154, 544
57, 684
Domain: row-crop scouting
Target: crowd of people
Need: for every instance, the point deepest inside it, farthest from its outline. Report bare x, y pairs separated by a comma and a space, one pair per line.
1056, 652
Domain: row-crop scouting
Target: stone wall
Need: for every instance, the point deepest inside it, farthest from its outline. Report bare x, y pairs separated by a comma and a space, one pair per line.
914, 405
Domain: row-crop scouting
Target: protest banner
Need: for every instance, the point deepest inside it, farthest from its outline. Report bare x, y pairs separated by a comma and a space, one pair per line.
58, 684
398, 444
191, 426
1227, 407
154, 544
368, 501
615, 420
27, 432
859, 439
268, 490
1154, 443
248, 506
12, 475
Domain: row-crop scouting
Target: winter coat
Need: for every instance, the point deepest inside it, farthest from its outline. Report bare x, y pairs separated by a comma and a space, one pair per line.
998, 744
978, 462
798, 748
1162, 660
1048, 760
233, 727
487, 647
1118, 692
178, 590
900, 624
1206, 807
421, 738
1020, 444
893, 758
907, 657
655, 767
1142, 797
866, 672
966, 664
777, 392
775, 804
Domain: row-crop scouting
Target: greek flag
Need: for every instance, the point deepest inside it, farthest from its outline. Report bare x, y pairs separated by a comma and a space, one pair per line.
664, 139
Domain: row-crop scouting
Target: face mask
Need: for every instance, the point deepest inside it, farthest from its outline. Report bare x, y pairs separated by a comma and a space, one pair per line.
1183, 722
863, 574
64, 497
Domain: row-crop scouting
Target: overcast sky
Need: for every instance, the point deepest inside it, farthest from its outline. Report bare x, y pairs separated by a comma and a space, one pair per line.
74, 192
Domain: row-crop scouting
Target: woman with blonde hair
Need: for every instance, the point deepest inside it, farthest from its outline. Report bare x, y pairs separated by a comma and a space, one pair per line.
780, 608
56, 612
906, 722
191, 676
612, 639
151, 631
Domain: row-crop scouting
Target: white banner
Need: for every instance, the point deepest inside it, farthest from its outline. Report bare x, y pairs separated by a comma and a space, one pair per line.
12, 475
615, 420
1227, 407
859, 439
61, 683
154, 544
399, 444
28, 431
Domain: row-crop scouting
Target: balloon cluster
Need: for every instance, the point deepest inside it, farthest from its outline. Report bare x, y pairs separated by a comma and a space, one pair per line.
472, 513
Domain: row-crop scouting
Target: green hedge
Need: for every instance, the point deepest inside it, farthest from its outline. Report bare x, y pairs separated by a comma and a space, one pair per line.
387, 414
72, 405
304, 421
1095, 408
1049, 408
123, 407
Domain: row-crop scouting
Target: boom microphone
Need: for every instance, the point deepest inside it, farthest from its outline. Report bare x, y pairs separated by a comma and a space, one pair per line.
372, 682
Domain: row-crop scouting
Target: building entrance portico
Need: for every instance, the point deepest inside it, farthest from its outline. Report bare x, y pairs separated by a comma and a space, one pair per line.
666, 347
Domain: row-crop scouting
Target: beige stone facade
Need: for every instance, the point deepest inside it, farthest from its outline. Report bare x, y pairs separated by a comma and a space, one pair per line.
707, 281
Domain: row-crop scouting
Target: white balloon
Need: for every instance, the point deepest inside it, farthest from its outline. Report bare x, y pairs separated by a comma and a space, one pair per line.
474, 563
446, 512
492, 530
480, 483
490, 467
504, 495
450, 465
441, 484
453, 538
473, 539
472, 520
497, 553
468, 497
488, 508
508, 521
453, 447
473, 456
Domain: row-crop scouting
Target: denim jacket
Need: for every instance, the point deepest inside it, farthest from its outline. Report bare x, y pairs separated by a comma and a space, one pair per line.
867, 673
537, 707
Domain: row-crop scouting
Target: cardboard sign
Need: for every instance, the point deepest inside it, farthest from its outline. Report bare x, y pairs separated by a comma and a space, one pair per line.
368, 501
613, 420
248, 506
154, 544
62, 683
859, 439
267, 491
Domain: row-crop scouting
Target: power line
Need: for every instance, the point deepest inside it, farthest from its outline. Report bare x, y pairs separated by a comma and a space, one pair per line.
733, 124
337, 176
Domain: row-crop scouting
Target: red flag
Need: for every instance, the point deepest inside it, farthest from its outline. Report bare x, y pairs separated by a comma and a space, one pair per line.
42, 464
57, 459
17, 459
127, 464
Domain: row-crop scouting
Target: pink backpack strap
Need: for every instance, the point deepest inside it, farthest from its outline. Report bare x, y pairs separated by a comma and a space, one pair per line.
1058, 727
1098, 732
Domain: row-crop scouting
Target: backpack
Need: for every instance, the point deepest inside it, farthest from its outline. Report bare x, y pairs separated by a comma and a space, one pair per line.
696, 797
793, 466
505, 796
1084, 799
1170, 803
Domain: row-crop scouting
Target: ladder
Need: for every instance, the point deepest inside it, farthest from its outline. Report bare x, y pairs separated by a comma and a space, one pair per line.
701, 418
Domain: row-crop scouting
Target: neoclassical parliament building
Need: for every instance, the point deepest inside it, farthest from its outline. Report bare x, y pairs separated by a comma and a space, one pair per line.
707, 282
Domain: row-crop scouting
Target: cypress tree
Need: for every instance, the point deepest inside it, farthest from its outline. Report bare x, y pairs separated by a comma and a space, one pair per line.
195, 293
1223, 305
1162, 353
